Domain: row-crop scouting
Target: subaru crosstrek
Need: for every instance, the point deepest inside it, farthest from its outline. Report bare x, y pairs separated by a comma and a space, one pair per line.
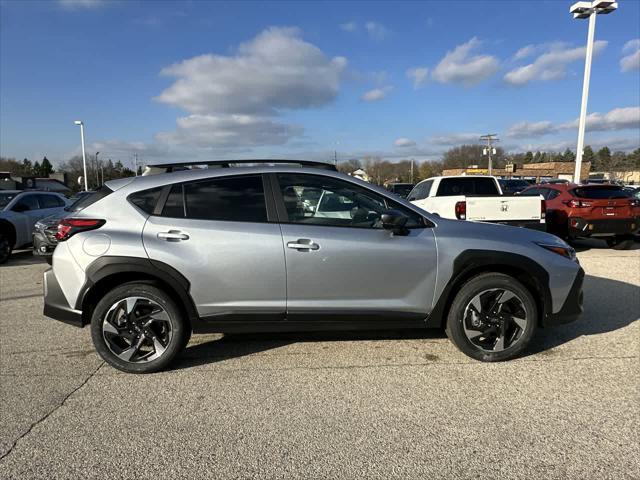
277, 247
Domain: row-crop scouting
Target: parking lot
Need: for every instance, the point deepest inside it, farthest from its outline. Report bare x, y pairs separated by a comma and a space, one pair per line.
349, 405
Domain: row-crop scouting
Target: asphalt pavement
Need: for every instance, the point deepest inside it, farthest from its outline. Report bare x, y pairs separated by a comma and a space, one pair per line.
332, 405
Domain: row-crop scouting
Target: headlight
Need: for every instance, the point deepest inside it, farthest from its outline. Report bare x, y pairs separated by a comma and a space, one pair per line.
565, 251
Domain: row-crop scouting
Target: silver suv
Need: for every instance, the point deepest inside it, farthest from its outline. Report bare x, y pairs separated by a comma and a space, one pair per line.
278, 247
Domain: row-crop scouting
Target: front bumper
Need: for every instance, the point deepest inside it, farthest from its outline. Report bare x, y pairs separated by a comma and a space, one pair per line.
55, 303
573, 304
584, 227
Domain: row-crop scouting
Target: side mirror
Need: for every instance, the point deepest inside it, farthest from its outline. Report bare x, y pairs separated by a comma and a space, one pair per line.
395, 221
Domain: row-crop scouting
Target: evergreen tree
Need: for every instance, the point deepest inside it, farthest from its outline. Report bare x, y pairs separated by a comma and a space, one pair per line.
36, 169
528, 157
46, 168
568, 156
27, 167
588, 155
603, 160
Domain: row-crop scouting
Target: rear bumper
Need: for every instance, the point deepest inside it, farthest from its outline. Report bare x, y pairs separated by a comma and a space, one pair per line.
531, 224
572, 307
55, 303
585, 227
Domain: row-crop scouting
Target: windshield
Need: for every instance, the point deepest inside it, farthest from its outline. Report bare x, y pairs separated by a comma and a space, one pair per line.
5, 198
88, 198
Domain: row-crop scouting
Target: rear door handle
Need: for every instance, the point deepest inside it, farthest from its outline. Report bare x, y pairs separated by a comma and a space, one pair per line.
173, 236
303, 245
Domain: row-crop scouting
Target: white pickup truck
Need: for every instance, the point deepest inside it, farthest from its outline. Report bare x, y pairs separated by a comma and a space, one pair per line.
478, 198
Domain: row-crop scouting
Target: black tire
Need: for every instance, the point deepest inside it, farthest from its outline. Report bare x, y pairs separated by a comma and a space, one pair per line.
5, 248
180, 331
620, 242
470, 290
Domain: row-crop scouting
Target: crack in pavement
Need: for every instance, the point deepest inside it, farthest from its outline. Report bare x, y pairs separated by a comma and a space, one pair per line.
37, 422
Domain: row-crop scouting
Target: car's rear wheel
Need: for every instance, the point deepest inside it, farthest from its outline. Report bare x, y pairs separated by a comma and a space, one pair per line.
5, 248
138, 328
492, 318
620, 242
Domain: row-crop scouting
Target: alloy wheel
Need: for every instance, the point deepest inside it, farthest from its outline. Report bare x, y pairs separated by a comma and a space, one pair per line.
137, 329
495, 319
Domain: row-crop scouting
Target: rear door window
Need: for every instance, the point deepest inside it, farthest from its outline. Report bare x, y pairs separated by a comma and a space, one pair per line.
233, 199
174, 206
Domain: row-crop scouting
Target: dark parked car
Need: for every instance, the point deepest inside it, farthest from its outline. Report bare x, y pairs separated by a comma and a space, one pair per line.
512, 186
400, 189
44, 231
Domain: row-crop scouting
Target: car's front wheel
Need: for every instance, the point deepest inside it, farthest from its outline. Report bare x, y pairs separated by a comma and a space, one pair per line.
492, 318
138, 328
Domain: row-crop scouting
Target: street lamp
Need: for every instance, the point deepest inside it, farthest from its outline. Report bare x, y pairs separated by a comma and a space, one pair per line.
84, 158
582, 10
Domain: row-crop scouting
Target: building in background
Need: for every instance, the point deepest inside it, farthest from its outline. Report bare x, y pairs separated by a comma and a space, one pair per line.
529, 171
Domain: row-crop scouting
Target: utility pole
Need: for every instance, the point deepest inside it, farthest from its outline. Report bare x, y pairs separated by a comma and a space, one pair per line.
135, 163
412, 170
335, 157
97, 172
490, 138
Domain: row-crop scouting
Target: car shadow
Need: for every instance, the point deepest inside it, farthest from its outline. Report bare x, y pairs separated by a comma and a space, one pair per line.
608, 305
585, 244
229, 346
23, 258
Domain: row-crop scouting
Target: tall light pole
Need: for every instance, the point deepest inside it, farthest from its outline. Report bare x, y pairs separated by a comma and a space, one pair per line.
84, 157
582, 10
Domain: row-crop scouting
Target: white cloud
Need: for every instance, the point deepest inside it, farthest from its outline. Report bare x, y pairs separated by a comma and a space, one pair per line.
631, 61
530, 129
349, 26
376, 94
617, 119
376, 30
525, 52
458, 66
454, 139
228, 131
404, 142
73, 4
551, 65
419, 76
235, 98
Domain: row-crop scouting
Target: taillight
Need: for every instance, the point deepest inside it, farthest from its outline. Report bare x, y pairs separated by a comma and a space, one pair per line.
543, 209
70, 226
573, 203
461, 210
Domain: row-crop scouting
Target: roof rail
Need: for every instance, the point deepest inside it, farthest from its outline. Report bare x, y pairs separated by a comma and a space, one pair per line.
171, 166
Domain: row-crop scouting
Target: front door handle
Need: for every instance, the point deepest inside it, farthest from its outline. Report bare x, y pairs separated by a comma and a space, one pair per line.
303, 245
173, 236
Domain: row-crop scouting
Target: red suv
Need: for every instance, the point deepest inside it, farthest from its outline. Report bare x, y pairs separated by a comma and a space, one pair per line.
601, 211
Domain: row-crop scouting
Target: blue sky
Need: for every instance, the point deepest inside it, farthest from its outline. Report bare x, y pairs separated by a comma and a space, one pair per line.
175, 80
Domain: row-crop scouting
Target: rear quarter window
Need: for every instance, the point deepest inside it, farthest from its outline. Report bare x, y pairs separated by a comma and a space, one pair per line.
146, 200
89, 199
